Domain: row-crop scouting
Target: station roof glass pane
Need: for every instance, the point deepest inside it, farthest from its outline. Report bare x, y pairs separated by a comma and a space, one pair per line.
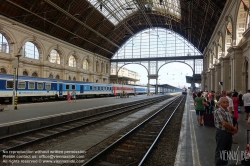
117, 10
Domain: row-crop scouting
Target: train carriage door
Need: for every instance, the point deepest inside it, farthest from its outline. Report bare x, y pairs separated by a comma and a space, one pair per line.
81, 88
60, 90
114, 90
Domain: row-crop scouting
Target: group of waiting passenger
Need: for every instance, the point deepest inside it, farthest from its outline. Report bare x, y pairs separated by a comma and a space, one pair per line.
225, 107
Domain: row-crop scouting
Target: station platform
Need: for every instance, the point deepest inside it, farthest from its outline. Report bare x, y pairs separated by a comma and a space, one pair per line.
197, 144
37, 110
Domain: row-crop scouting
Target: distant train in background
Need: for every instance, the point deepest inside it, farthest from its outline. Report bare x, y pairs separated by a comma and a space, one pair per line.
35, 88
184, 91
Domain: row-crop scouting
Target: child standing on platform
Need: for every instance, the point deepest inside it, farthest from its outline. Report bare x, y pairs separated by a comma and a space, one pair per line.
73, 94
69, 97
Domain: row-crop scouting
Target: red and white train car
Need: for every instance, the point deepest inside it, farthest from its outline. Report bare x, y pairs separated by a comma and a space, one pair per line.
118, 89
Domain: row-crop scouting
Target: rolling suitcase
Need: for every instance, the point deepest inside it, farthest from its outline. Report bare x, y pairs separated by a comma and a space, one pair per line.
208, 119
208, 116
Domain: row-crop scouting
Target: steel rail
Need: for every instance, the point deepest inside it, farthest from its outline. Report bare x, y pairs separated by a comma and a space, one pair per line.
93, 159
158, 136
136, 106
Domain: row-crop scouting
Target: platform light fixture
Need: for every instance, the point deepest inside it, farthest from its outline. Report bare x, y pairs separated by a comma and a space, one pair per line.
16, 87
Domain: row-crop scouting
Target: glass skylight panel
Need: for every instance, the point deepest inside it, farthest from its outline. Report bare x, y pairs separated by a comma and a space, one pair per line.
114, 10
167, 7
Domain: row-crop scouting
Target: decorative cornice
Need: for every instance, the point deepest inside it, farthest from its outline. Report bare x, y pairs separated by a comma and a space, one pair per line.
234, 49
217, 65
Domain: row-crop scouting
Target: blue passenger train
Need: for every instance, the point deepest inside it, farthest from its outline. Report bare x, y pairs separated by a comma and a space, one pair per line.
35, 88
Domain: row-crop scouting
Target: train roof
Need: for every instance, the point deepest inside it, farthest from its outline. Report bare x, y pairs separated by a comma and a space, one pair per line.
81, 82
26, 78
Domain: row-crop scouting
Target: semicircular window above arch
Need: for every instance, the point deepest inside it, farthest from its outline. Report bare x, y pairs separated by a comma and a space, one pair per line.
72, 61
74, 78
2, 70
54, 57
34, 74
50, 76
29, 50
156, 42
25, 73
57, 77
4, 46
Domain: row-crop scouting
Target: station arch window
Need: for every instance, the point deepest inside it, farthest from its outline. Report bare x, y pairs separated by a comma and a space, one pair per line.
83, 79
34, 74
57, 77
3, 71
4, 47
72, 61
85, 65
29, 50
25, 73
50, 76
54, 57
87, 80
69, 78
74, 78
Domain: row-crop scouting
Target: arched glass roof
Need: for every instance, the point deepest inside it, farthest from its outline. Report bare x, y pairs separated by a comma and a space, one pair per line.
156, 42
116, 11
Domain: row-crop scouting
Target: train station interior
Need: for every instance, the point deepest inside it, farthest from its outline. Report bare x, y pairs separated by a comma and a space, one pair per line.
53, 50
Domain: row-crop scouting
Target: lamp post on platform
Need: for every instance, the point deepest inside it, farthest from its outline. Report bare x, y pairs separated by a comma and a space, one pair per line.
16, 87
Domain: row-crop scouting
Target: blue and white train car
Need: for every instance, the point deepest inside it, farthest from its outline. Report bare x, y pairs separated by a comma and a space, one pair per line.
143, 89
140, 89
83, 88
28, 88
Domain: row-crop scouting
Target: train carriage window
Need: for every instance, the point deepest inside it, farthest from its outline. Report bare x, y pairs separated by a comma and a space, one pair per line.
67, 87
73, 87
9, 84
48, 86
94, 87
90, 88
104, 88
21, 85
40, 85
31, 85
99, 88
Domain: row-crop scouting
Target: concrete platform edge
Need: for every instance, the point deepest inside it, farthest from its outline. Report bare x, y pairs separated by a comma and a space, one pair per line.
29, 124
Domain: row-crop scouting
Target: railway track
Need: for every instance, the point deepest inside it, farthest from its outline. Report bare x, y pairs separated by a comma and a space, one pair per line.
24, 139
135, 146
